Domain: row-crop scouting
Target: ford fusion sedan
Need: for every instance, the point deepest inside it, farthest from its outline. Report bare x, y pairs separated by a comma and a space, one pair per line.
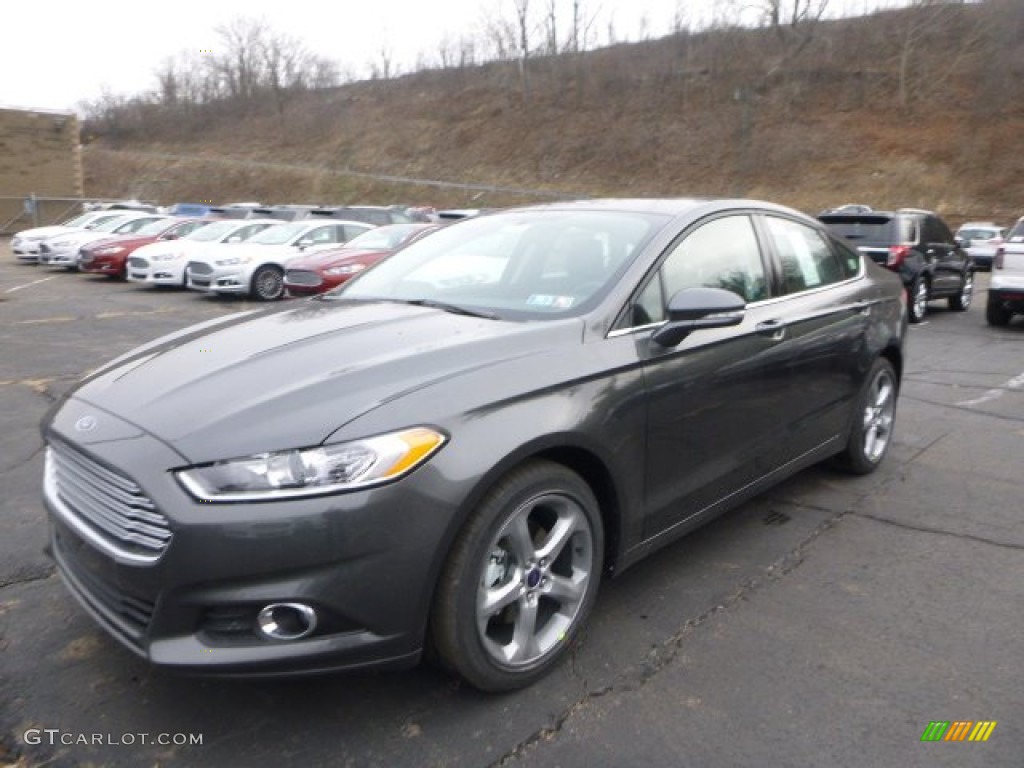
256, 267
110, 256
323, 271
62, 250
164, 263
416, 460
25, 244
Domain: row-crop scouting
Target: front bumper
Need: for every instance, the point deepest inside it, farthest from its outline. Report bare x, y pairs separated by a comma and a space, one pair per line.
219, 280
59, 258
1007, 291
25, 250
365, 561
155, 272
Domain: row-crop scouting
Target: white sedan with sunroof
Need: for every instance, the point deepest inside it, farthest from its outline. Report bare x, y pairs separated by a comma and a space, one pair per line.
256, 267
164, 263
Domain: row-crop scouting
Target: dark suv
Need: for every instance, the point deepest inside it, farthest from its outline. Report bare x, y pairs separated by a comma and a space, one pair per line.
918, 246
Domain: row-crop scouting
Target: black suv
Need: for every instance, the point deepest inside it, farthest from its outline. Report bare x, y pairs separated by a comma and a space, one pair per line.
915, 244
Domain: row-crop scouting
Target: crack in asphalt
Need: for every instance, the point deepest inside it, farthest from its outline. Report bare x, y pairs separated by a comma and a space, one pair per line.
661, 656
966, 409
29, 576
937, 531
22, 462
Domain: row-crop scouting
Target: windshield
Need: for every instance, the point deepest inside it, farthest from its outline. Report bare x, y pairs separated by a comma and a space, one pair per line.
281, 234
80, 220
213, 231
110, 224
515, 265
384, 238
132, 226
154, 228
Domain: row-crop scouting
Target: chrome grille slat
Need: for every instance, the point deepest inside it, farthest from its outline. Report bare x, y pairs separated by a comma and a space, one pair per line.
91, 507
111, 506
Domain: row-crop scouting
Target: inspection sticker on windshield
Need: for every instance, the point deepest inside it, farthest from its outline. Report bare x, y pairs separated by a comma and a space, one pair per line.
555, 302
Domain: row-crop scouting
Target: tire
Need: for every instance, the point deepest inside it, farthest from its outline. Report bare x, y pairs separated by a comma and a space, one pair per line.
873, 420
521, 578
267, 283
962, 301
917, 300
996, 314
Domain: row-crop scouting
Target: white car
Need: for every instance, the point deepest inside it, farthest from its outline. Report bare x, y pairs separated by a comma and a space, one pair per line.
256, 267
981, 240
62, 250
25, 244
1006, 289
164, 263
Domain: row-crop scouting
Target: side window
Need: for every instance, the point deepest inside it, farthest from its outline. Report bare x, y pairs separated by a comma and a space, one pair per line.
723, 253
939, 232
805, 257
321, 235
849, 258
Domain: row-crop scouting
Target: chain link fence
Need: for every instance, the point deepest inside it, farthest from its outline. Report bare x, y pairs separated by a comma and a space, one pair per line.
18, 213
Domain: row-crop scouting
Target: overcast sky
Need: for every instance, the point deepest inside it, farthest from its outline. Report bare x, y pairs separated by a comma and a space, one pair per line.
56, 55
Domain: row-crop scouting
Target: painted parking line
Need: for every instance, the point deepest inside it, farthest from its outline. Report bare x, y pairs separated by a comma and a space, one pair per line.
1016, 384
28, 285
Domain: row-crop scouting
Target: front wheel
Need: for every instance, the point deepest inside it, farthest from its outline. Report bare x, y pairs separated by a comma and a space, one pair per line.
521, 578
918, 304
268, 284
962, 301
873, 421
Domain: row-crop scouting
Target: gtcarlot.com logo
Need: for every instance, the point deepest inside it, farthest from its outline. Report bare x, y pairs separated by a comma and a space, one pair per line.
55, 737
958, 730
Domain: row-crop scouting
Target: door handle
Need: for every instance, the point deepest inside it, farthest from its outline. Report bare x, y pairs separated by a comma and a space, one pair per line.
771, 328
861, 307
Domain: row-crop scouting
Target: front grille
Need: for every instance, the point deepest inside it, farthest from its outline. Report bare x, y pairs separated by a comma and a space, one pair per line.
302, 277
137, 262
105, 506
85, 257
129, 615
200, 268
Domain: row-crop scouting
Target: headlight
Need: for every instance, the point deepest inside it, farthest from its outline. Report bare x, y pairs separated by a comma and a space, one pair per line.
110, 250
347, 269
233, 260
313, 471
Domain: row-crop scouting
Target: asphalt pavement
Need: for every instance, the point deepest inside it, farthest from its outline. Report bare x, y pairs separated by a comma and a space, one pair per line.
827, 623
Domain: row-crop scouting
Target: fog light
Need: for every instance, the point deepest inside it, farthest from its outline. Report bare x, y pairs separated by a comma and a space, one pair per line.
286, 621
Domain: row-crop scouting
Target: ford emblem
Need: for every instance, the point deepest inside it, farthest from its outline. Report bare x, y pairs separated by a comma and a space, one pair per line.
86, 424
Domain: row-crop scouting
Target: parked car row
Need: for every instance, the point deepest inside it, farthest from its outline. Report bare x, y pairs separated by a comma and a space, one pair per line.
235, 255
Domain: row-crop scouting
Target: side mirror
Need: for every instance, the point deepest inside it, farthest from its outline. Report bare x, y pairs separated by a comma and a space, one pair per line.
303, 244
693, 309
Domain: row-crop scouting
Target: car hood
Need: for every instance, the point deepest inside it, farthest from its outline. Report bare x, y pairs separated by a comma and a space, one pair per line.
282, 379
125, 241
79, 239
44, 232
330, 259
231, 250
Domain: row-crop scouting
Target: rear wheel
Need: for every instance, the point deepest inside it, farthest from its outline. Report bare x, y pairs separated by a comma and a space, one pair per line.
961, 301
996, 313
917, 306
267, 283
873, 421
521, 578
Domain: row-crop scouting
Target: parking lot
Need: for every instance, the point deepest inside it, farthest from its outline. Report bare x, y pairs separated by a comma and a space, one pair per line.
826, 623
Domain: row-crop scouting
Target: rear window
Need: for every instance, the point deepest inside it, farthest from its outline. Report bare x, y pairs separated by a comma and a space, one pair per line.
872, 230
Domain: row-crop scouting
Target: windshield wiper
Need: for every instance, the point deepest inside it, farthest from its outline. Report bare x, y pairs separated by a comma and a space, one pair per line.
455, 309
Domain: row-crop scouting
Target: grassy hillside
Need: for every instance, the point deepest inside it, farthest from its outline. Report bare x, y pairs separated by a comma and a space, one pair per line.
918, 107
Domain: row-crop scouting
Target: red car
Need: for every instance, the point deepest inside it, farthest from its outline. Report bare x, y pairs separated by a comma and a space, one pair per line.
328, 269
110, 256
